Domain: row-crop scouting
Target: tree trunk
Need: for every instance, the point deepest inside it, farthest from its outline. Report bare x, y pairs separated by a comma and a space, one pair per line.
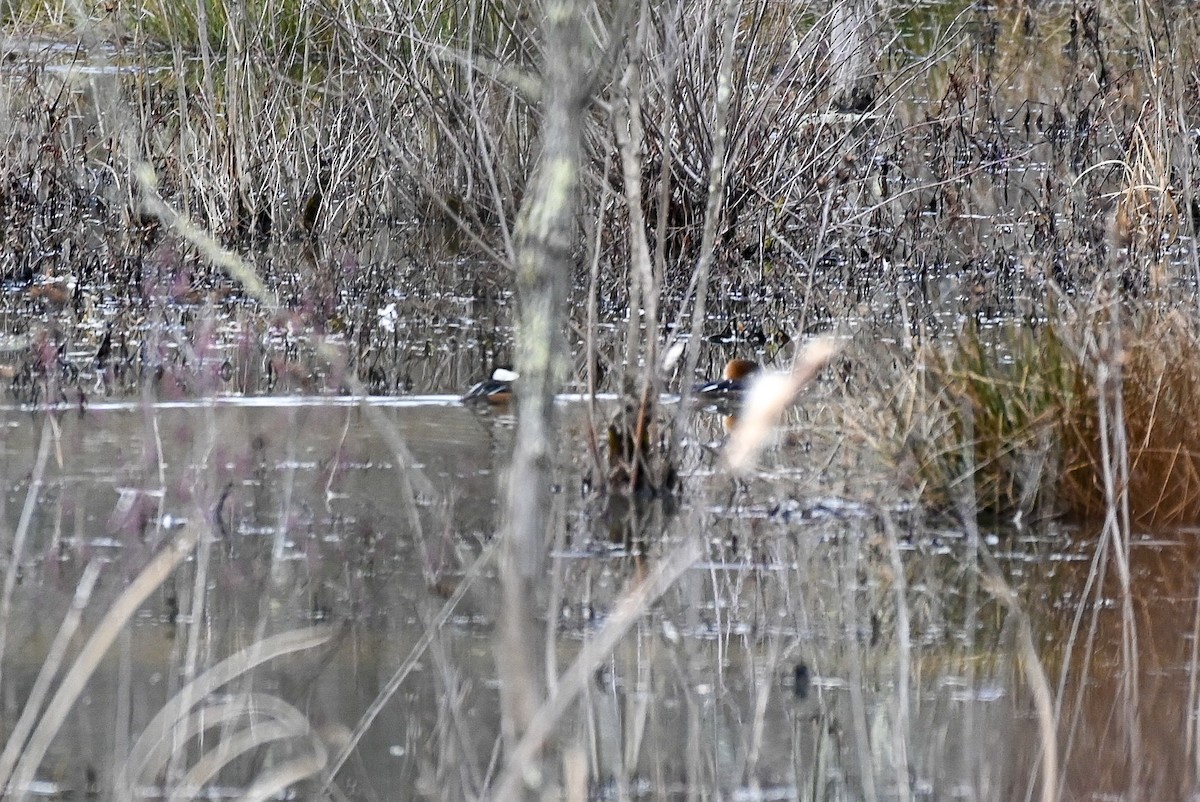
853, 46
546, 229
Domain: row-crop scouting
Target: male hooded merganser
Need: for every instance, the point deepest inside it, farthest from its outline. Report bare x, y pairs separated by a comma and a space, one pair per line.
735, 380
496, 390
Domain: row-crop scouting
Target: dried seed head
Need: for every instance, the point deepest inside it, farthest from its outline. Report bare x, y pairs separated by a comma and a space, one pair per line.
768, 398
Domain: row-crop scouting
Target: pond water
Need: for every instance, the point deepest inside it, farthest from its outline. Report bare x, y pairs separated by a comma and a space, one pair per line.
820, 644
319, 572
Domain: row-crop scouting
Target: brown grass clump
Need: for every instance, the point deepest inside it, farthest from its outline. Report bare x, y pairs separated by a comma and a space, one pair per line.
1018, 422
991, 407
1156, 380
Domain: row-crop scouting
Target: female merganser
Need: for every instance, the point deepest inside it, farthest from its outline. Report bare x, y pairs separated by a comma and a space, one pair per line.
496, 390
735, 380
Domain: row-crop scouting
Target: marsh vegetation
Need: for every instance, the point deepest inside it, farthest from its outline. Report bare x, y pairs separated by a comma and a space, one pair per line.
253, 545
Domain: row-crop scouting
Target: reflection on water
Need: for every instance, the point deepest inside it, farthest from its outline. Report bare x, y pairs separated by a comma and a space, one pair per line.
1130, 693
780, 666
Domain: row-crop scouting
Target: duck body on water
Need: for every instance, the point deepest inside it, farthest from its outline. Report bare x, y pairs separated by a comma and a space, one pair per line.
497, 390
735, 379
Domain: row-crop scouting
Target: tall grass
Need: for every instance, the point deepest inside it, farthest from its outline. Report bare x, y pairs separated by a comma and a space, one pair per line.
1152, 360
1009, 396
1030, 400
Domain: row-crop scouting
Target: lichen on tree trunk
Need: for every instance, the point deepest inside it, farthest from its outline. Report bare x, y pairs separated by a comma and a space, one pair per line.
546, 229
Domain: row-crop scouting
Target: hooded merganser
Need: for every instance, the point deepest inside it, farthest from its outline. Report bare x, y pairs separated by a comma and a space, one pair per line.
496, 390
735, 380
770, 397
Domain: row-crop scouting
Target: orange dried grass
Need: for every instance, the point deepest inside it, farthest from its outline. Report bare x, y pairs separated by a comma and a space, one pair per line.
1160, 384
